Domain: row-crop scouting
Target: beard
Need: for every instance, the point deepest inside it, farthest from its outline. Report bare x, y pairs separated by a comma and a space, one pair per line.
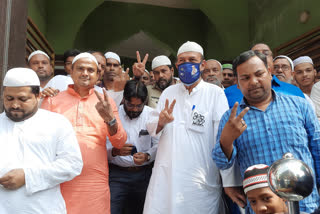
18, 115
163, 83
132, 114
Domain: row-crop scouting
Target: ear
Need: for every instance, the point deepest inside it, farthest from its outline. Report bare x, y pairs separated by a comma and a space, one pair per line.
203, 65
172, 71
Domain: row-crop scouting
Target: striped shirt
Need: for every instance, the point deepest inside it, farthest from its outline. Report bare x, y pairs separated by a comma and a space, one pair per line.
289, 124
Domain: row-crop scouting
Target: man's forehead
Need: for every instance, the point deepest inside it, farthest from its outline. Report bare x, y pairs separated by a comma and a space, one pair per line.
227, 70
190, 54
16, 90
85, 61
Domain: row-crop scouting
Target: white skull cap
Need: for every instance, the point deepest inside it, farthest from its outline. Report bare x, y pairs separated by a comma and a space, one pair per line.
302, 59
159, 61
38, 52
286, 57
19, 77
112, 55
190, 46
84, 55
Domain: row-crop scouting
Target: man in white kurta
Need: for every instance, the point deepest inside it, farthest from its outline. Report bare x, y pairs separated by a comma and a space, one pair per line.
185, 179
40, 145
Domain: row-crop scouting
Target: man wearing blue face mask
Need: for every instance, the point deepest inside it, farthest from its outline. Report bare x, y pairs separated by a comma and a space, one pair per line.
185, 179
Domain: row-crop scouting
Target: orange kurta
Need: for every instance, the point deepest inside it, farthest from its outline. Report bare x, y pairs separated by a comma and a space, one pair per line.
89, 192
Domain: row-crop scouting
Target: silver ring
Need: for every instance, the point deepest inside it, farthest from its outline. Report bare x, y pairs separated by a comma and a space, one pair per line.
243, 123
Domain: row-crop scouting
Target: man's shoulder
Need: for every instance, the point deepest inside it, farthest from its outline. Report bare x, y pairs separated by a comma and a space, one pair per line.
49, 116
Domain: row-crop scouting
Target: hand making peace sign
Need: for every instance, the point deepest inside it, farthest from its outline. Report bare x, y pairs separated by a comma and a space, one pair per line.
139, 67
165, 115
234, 127
103, 107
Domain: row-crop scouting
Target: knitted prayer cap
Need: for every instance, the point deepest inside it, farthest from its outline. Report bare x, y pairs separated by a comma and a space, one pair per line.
227, 66
255, 177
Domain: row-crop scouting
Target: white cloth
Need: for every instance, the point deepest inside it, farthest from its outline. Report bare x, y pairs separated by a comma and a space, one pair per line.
45, 146
117, 96
37, 52
310, 102
112, 55
60, 82
137, 135
185, 179
315, 97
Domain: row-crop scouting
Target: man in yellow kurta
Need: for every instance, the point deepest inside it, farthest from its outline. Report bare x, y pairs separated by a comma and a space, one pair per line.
93, 118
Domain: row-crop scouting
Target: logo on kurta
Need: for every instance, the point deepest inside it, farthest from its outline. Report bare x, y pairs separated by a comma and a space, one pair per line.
198, 119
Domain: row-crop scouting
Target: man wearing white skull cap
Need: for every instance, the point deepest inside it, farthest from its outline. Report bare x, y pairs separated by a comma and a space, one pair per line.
163, 76
36, 156
94, 117
39, 61
304, 73
185, 179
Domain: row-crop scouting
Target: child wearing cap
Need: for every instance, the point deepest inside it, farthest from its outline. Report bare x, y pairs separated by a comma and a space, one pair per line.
260, 196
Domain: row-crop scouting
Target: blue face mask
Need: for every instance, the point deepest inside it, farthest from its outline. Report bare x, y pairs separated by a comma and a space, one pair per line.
189, 72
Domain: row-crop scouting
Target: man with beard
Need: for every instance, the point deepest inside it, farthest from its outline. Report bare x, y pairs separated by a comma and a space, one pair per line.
94, 119
130, 167
39, 61
39, 149
163, 77
212, 72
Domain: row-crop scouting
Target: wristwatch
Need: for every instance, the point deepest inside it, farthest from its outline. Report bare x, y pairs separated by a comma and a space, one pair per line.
112, 122
148, 156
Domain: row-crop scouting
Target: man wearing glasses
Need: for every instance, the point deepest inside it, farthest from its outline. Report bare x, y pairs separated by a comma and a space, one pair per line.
131, 166
283, 68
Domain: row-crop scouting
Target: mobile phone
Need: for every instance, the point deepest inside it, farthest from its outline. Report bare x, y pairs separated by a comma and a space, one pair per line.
133, 150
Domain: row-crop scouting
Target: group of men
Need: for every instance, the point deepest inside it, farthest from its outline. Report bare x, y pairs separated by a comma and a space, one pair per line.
102, 143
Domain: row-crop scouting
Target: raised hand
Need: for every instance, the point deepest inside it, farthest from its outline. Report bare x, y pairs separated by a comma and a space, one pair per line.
139, 67
121, 80
165, 115
49, 92
103, 107
234, 127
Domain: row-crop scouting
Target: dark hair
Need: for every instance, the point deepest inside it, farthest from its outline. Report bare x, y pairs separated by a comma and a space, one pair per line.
68, 53
35, 90
245, 56
135, 89
98, 52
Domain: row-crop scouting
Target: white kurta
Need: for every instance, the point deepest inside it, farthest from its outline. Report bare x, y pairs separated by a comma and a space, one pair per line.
45, 146
137, 135
185, 179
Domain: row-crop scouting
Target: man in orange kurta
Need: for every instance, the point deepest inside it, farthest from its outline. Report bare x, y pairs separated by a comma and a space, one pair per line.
93, 119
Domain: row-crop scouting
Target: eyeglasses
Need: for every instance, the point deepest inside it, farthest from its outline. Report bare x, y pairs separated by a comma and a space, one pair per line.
283, 67
129, 105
